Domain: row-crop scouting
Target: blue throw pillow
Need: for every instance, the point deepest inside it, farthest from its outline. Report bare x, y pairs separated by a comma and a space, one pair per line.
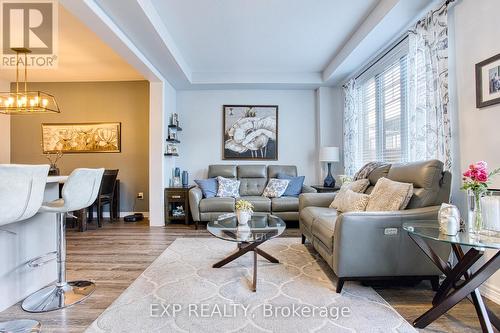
294, 187
208, 187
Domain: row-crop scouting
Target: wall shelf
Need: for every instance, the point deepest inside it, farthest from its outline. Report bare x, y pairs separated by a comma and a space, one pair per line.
165, 154
173, 141
175, 127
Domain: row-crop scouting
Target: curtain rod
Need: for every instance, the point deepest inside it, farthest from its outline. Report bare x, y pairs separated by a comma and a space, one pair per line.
446, 3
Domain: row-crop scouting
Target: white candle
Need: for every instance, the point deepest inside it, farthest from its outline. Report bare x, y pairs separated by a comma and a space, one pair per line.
491, 212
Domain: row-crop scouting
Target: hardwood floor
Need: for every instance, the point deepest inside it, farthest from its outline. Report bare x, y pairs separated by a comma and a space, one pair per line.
115, 255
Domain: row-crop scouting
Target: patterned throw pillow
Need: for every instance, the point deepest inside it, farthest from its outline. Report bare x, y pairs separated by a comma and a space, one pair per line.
353, 202
388, 195
228, 187
358, 186
275, 188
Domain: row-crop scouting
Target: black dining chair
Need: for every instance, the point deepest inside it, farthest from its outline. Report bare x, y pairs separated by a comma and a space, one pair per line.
105, 197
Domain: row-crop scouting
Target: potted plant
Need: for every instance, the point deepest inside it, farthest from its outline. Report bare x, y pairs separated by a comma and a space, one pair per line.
244, 210
475, 181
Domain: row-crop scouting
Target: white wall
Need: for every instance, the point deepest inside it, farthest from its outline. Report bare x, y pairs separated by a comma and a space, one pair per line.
4, 130
474, 27
200, 113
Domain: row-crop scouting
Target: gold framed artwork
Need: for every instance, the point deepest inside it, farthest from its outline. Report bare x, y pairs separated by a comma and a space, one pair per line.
82, 138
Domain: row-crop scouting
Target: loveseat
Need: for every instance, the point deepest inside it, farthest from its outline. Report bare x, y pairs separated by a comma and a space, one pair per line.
253, 179
372, 245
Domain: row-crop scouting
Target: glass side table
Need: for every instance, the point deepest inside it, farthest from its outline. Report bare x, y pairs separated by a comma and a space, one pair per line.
460, 282
259, 229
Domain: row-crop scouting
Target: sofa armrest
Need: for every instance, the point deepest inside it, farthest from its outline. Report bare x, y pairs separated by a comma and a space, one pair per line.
378, 251
195, 196
308, 189
315, 199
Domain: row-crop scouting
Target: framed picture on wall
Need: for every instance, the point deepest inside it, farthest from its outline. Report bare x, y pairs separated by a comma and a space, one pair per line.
488, 82
82, 138
250, 132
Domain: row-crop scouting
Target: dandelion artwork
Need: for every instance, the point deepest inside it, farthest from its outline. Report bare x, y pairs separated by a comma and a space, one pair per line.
82, 138
250, 132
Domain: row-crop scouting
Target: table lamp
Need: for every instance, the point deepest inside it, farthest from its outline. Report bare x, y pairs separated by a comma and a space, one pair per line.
329, 155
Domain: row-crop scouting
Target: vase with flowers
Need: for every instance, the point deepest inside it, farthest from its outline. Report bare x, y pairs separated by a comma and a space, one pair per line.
53, 158
244, 211
475, 181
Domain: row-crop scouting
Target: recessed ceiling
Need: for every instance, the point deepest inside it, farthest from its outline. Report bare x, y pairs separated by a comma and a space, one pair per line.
83, 56
261, 36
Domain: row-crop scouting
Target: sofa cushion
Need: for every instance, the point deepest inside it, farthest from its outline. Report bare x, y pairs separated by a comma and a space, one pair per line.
223, 170
352, 202
275, 188
294, 187
252, 186
309, 214
285, 204
252, 171
217, 205
389, 195
228, 187
260, 203
274, 170
208, 187
323, 229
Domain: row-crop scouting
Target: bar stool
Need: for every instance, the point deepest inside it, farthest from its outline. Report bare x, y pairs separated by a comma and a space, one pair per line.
21, 195
79, 191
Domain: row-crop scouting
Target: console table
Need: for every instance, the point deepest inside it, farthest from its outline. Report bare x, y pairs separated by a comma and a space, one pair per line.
460, 282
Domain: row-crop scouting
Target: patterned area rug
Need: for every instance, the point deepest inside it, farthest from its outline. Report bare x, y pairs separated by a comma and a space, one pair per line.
181, 292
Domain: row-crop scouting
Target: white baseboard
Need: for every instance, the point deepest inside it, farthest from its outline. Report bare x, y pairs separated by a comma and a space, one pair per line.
491, 292
122, 214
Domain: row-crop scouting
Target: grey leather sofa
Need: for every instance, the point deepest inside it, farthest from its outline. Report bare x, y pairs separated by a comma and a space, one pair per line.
253, 181
373, 245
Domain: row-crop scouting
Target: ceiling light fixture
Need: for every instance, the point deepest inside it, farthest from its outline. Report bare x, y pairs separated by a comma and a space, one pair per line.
24, 101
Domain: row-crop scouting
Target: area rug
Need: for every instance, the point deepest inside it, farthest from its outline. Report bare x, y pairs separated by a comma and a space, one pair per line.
181, 292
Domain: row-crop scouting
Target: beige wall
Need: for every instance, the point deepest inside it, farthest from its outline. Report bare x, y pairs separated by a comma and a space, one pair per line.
4, 129
125, 102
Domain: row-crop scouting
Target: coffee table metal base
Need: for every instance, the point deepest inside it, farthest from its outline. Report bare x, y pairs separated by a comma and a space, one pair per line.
242, 249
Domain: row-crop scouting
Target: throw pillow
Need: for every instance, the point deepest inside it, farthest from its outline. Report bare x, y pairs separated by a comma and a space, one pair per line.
208, 187
275, 188
353, 202
228, 187
388, 195
294, 187
358, 186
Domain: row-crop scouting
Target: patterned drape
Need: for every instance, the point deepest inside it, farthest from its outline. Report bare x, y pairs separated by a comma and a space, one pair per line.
351, 127
428, 116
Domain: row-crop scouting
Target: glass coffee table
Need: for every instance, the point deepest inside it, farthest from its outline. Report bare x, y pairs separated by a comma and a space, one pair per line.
259, 229
460, 281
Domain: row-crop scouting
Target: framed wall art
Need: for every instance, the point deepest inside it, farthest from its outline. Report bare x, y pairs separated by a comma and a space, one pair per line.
82, 138
250, 132
488, 82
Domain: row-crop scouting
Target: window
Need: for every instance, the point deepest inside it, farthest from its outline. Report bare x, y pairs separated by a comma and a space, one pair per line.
383, 109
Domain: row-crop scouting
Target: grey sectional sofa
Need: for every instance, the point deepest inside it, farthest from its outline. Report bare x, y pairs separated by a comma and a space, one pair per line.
373, 245
253, 181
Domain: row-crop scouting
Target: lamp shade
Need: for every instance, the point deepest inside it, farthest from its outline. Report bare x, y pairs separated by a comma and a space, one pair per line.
329, 154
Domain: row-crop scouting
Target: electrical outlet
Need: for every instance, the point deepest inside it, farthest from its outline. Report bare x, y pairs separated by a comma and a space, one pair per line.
140, 195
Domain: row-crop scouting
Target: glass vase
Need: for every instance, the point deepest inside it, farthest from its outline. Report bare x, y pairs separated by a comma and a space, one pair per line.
475, 218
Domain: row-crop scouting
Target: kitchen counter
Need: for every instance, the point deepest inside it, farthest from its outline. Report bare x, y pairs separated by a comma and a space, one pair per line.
24, 241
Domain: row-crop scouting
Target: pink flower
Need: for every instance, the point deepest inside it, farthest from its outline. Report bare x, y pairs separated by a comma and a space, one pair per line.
482, 177
482, 164
467, 173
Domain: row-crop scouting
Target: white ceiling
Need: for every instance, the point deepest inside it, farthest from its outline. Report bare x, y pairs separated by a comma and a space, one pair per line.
261, 36
83, 56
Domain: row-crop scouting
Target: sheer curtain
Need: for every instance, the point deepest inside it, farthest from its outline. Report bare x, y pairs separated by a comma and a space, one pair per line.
429, 127
352, 133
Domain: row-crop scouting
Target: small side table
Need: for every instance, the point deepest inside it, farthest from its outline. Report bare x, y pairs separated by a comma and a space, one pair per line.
460, 281
323, 189
174, 197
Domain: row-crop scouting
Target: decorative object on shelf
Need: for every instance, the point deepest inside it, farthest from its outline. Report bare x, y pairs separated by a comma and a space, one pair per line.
185, 178
488, 82
244, 211
475, 181
329, 155
172, 137
178, 211
172, 150
175, 120
449, 219
82, 138
250, 132
24, 101
176, 179
53, 157
172, 134
491, 213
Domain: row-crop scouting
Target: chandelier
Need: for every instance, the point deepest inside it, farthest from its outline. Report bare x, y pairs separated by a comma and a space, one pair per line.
23, 101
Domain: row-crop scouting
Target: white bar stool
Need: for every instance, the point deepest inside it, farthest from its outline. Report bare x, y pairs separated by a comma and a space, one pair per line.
79, 191
21, 195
